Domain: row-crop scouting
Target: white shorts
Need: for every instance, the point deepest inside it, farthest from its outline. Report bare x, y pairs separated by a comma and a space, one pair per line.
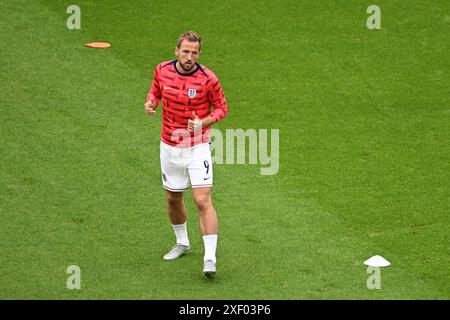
183, 165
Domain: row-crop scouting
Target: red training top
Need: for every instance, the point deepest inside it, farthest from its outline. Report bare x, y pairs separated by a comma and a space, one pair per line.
182, 94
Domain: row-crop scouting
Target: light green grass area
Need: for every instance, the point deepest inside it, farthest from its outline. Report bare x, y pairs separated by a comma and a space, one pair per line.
364, 150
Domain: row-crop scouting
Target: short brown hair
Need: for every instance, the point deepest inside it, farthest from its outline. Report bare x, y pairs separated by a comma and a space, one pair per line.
190, 36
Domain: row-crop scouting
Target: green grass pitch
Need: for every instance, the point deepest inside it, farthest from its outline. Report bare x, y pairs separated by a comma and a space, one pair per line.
364, 150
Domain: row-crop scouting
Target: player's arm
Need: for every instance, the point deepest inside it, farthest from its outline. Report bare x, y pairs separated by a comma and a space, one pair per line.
154, 95
217, 99
196, 123
206, 122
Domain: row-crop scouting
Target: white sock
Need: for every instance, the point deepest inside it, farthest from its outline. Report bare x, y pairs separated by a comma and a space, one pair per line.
181, 233
210, 242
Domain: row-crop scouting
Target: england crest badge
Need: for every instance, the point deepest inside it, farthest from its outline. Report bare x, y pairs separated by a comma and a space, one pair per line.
192, 93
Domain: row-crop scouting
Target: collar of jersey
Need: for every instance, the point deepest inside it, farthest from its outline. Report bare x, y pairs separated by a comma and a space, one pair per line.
174, 62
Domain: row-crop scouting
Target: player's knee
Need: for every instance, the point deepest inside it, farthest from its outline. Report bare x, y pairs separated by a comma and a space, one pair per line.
174, 199
203, 202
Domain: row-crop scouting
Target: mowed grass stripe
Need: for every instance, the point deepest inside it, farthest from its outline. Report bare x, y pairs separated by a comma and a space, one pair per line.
288, 246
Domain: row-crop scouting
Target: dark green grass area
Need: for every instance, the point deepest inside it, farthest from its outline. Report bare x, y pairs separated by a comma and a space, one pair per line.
364, 150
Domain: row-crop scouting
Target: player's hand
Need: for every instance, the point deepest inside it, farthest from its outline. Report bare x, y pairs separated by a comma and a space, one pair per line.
150, 107
196, 124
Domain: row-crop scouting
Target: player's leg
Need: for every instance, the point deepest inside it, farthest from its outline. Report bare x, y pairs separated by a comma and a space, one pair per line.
177, 215
175, 207
201, 175
175, 180
200, 171
208, 217
208, 226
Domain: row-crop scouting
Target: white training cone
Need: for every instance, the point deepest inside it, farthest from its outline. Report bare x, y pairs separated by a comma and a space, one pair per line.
377, 261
